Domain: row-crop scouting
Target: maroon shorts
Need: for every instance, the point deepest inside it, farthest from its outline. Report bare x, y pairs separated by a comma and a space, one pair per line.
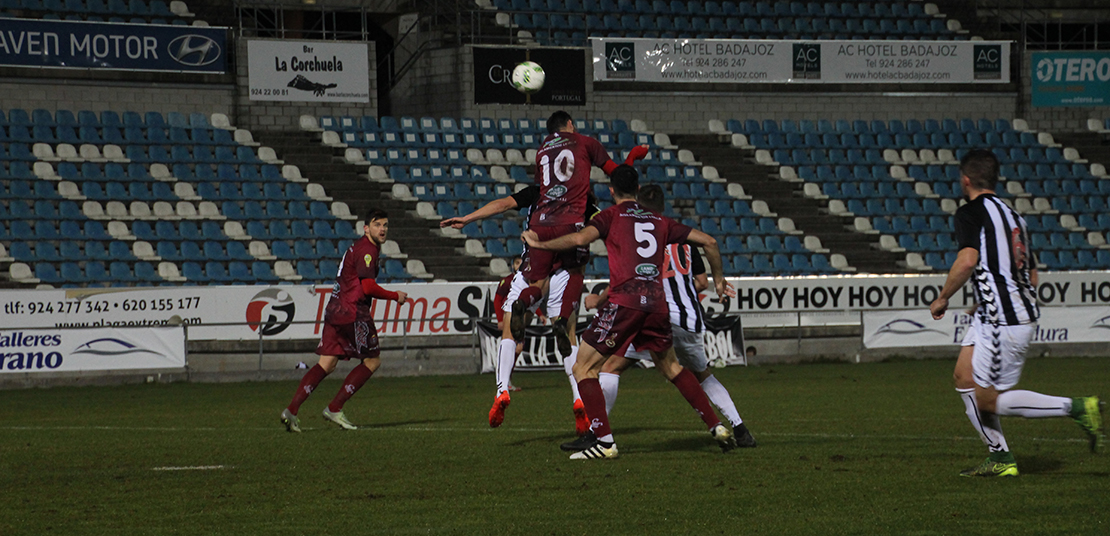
540, 264
357, 340
615, 327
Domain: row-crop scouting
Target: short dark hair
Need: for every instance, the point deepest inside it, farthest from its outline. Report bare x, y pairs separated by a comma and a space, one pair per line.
625, 180
557, 121
981, 166
374, 214
652, 198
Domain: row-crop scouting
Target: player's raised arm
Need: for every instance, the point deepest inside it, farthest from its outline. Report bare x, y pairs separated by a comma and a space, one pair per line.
713, 254
493, 208
570, 241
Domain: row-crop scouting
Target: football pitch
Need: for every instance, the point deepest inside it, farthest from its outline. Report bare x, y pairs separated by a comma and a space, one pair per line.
843, 449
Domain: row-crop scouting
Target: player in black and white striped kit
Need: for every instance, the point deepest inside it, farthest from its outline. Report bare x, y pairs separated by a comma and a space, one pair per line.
683, 277
994, 253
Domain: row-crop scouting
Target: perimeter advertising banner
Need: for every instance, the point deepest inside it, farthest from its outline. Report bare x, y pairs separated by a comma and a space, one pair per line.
295, 311
916, 328
308, 71
1071, 78
811, 62
564, 75
72, 350
111, 46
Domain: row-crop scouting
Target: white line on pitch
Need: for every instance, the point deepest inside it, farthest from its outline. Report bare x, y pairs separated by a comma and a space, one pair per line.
192, 468
482, 429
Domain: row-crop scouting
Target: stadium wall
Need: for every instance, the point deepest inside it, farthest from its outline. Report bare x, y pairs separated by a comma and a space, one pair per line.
75, 95
1055, 119
442, 84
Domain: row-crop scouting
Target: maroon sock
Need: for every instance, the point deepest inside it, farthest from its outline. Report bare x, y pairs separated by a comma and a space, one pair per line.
311, 379
594, 400
351, 385
688, 385
529, 296
572, 294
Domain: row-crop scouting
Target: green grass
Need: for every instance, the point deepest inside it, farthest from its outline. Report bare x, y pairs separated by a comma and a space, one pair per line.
844, 449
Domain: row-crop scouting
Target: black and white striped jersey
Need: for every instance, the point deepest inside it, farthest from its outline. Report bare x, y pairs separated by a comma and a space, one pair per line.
1003, 287
683, 262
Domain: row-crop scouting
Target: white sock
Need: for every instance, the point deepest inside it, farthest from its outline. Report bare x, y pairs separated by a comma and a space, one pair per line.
506, 358
719, 396
992, 428
972, 410
1032, 405
568, 366
609, 384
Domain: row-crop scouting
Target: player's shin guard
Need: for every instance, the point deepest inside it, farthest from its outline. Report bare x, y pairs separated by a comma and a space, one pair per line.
971, 408
311, 379
594, 400
609, 384
992, 429
568, 366
355, 380
506, 358
571, 294
688, 385
1032, 405
719, 396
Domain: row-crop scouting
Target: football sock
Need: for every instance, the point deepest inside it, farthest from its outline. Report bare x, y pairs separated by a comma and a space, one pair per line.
609, 384
688, 385
571, 295
355, 380
529, 296
594, 400
568, 366
719, 396
992, 428
1032, 405
311, 379
506, 358
972, 410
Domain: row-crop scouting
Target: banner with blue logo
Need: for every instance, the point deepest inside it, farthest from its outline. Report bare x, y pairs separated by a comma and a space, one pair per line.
1071, 79
112, 46
73, 350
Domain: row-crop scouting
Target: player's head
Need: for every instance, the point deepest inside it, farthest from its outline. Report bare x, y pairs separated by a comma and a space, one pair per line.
624, 181
980, 167
652, 198
560, 121
516, 264
376, 225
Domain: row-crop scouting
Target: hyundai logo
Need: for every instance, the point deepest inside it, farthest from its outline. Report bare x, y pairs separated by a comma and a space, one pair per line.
904, 326
194, 50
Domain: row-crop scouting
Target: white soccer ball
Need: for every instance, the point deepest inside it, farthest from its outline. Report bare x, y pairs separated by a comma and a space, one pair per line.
528, 77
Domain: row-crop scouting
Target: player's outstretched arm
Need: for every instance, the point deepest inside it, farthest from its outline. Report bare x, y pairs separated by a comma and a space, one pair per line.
634, 154
961, 271
588, 234
713, 255
493, 208
372, 289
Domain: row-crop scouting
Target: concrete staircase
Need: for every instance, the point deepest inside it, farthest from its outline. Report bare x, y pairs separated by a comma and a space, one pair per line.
1092, 146
786, 199
419, 238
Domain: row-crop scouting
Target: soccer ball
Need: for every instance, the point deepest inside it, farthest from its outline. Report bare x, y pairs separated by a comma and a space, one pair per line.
528, 77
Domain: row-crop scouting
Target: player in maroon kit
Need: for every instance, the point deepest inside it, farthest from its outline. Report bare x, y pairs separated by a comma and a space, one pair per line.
636, 310
349, 330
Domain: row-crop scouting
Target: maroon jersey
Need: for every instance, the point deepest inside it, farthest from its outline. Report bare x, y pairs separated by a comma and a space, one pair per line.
563, 175
348, 300
636, 239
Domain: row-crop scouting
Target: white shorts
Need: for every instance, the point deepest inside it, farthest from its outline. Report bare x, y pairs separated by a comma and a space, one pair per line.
999, 352
689, 347
556, 287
